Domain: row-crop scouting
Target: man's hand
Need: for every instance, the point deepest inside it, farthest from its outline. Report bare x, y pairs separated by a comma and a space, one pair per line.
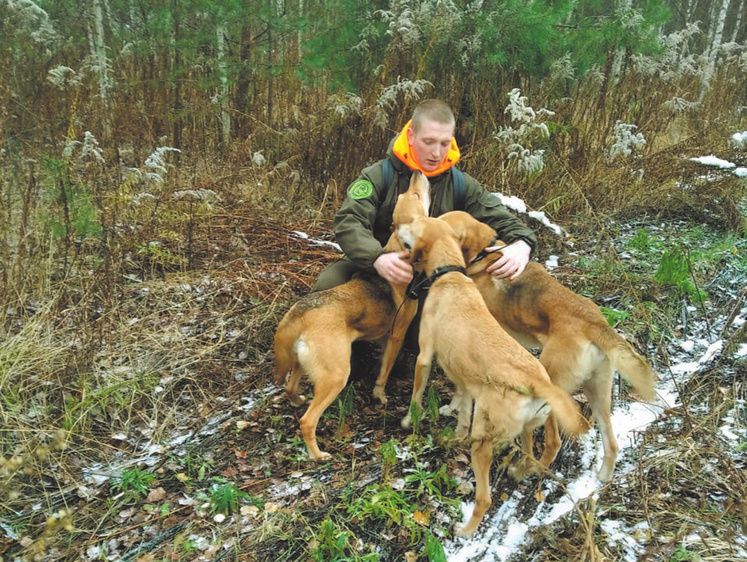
394, 267
513, 261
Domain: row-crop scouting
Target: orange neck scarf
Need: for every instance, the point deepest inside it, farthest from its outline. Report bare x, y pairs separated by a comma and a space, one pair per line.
404, 152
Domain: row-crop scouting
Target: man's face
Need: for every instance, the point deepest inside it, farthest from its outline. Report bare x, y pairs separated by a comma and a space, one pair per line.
431, 143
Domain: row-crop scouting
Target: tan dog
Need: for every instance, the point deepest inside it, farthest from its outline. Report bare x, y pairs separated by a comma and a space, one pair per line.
510, 388
579, 348
316, 334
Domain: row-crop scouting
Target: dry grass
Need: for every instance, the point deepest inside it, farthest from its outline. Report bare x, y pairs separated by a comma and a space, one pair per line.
113, 343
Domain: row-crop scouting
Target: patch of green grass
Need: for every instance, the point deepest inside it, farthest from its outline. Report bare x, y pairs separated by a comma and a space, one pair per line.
432, 483
432, 404
641, 240
675, 270
332, 544
416, 417
225, 497
682, 554
381, 502
614, 316
388, 452
345, 405
133, 483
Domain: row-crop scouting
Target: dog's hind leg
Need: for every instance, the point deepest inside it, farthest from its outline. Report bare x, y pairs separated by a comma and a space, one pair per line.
552, 441
461, 403
482, 454
561, 359
326, 360
327, 388
291, 390
598, 390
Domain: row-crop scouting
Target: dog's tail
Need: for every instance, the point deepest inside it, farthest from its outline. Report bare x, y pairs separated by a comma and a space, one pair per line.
627, 360
565, 409
285, 338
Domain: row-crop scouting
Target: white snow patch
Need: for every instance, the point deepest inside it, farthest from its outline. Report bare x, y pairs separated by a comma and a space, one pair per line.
713, 161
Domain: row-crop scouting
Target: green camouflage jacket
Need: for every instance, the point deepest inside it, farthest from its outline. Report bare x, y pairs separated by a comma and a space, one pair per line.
362, 226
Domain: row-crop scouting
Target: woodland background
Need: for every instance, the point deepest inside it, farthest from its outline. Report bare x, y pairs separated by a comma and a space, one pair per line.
155, 155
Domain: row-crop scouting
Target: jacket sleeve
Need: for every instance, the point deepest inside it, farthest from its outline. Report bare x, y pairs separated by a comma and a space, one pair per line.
354, 222
487, 208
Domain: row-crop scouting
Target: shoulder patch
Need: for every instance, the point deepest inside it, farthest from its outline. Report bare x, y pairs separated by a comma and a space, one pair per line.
360, 189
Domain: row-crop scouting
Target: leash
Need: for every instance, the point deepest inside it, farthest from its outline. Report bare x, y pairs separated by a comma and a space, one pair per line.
420, 282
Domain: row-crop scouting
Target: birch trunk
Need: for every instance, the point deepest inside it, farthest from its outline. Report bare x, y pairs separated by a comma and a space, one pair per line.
737, 24
175, 62
225, 115
710, 66
98, 52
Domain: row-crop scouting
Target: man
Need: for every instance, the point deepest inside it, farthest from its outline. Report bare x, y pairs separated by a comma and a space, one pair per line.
362, 225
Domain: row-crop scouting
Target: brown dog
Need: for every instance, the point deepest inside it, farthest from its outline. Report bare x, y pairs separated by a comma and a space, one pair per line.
510, 388
579, 348
316, 334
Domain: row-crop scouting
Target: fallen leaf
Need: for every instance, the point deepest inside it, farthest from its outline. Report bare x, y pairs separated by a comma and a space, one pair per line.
156, 495
421, 518
540, 496
272, 507
229, 472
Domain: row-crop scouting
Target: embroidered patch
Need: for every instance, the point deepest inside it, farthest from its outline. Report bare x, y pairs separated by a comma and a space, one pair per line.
361, 189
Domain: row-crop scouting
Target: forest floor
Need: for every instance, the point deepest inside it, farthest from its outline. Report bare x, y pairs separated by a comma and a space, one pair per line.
203, 460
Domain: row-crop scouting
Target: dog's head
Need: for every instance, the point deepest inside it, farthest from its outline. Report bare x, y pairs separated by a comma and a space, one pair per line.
414, 202
423, 236
473, 236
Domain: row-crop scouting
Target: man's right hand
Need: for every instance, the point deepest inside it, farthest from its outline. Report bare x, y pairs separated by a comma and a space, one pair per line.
394, 267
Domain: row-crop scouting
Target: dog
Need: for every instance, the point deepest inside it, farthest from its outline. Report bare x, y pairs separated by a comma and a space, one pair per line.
316, 334
510, 387
579, 348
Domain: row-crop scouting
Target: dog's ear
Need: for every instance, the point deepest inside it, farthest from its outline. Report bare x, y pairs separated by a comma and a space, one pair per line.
418, 254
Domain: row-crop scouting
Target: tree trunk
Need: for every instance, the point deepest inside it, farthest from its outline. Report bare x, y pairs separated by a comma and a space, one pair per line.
176, 94
225, 115
98, 52
718, 34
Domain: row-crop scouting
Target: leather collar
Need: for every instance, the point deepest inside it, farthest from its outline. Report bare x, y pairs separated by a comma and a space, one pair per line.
440, 271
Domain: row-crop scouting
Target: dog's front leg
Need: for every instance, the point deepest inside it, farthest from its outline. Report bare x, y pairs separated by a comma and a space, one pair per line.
393, 345
422, 372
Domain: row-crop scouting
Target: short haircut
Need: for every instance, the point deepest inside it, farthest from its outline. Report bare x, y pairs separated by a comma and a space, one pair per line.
432, 110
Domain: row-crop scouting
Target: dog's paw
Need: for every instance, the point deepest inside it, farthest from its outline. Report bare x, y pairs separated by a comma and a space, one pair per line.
605, 473
462, 530
447, 410
380, 395
461, 434
321, 456
297, 399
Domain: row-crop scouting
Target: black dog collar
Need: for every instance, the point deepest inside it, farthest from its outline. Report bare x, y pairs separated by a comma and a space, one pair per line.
440, 271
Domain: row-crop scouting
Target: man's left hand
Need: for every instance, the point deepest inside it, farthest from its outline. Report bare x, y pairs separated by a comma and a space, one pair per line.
513, 261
